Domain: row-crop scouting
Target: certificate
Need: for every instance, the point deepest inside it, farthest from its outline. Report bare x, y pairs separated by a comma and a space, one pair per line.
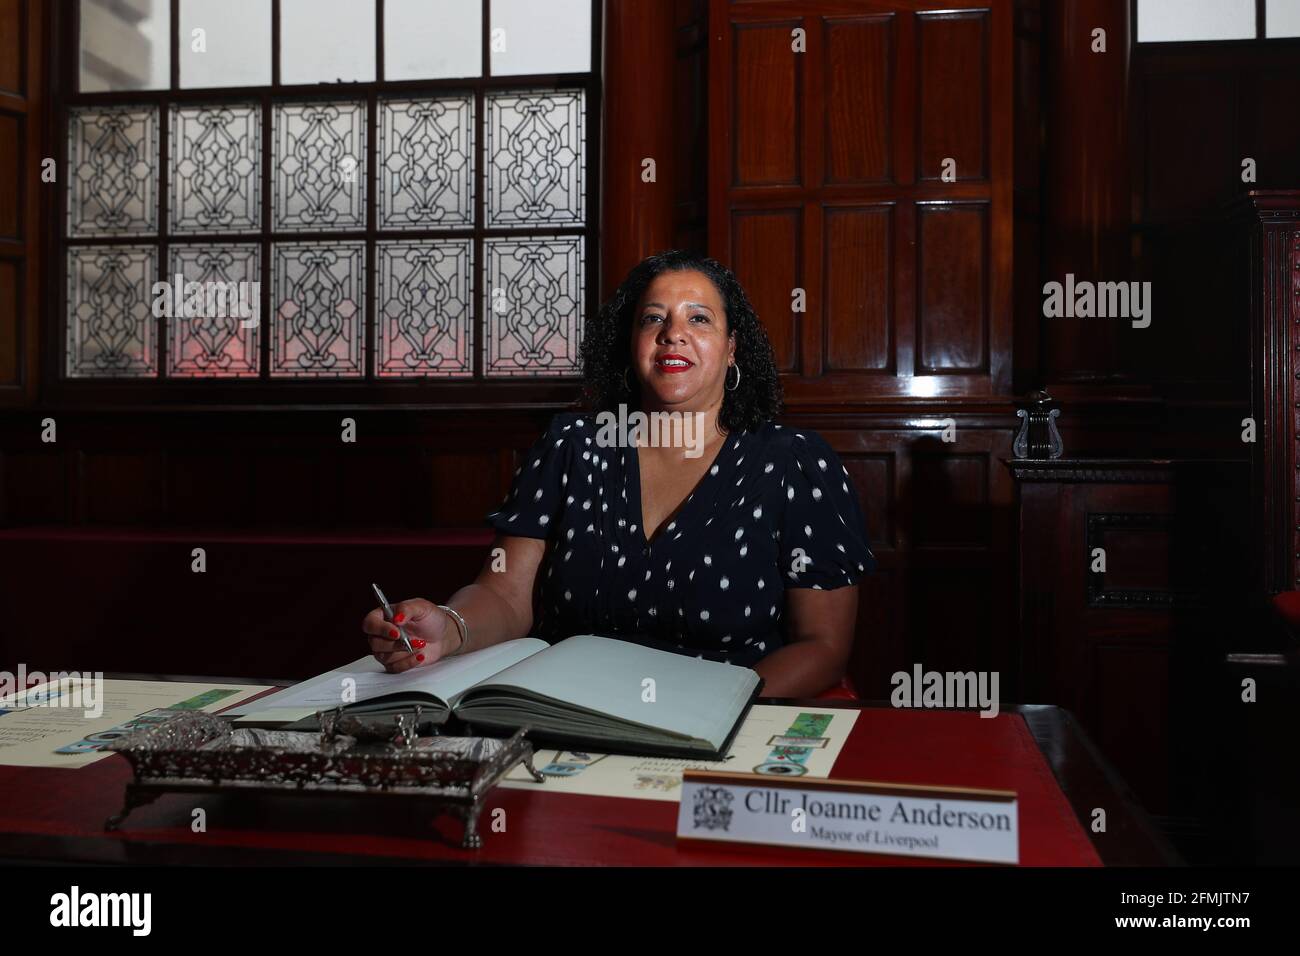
67, 723
776, 741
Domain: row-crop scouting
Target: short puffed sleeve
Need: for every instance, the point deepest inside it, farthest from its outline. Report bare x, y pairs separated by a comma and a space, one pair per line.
823, 536
536, 496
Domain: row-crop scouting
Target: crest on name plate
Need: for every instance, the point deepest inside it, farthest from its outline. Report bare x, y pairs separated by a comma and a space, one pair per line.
713, 808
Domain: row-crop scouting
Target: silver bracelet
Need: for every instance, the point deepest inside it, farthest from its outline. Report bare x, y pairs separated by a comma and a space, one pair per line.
461, 626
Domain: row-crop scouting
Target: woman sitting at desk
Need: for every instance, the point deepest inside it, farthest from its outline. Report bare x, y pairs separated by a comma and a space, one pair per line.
742, 543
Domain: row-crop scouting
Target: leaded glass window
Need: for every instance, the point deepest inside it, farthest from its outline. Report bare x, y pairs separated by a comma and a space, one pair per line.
348, 190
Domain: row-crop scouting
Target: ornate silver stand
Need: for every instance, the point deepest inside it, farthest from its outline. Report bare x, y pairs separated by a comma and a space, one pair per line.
194, 752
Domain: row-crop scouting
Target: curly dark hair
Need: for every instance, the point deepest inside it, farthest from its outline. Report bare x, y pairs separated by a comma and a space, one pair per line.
606, 346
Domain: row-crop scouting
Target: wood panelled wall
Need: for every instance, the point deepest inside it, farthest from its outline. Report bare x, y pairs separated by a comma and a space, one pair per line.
22, 132
1186, 170
860, 185
827, 175
821, 171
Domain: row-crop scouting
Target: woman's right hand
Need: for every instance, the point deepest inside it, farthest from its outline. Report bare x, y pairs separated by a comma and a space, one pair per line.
433, 634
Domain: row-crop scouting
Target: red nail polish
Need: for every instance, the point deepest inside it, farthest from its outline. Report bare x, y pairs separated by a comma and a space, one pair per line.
417, 643
392, 632
419, 658
399, 617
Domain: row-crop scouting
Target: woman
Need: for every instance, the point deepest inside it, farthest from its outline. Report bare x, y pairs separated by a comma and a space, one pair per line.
744, 545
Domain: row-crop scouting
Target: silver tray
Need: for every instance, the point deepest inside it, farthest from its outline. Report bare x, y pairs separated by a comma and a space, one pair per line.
190, 751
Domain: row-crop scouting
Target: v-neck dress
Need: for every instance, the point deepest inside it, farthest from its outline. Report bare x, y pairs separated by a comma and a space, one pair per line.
776, 510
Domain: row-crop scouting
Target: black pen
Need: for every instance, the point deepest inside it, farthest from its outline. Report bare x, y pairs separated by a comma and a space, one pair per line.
388, 616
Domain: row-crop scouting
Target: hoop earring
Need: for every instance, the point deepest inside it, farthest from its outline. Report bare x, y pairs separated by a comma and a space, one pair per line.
626, 386
737, 385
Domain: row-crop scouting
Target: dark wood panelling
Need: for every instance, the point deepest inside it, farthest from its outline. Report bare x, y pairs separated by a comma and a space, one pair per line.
859, 257
122, 487
11, 157
1190, 166
1137, 558
366, 494
36, 489
1028, 178
1086, 214
208, 488
23, 118
887, 89
1127, 712
953, 103
1272, 142
9, 312
766, 258
1265, 262
952, 615
11, 46
690, 124
767, 94
1186, 168
857, 123
637, 218
952, 257
951, 496
873, 478
270, 472
289, 489
1104, 646
457, 488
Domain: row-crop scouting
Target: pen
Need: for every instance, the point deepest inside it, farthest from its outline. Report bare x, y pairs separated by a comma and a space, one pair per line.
388, 616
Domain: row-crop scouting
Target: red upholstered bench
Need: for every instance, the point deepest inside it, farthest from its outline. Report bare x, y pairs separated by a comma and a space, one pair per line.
1287, 607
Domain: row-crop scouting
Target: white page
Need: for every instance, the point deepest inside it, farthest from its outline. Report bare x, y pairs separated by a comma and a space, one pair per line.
446, 679
694, 697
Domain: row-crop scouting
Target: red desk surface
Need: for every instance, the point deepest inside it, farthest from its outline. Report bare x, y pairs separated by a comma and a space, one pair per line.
67, 808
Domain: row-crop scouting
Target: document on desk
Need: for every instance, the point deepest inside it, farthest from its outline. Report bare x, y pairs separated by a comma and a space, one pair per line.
67, 723
774, 739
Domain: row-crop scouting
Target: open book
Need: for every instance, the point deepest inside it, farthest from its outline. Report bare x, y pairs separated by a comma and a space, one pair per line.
589, 692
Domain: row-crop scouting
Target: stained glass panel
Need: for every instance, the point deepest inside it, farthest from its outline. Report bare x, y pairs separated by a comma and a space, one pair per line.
113, 179
318, 291
533, 305
536, 149
110, 320
424, 311
214, 332
216, 178
426, 150
319, 180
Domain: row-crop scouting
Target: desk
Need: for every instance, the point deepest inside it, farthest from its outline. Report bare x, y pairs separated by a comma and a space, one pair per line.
58, 815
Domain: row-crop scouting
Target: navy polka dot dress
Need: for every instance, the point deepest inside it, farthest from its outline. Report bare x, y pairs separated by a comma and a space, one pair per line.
775, 511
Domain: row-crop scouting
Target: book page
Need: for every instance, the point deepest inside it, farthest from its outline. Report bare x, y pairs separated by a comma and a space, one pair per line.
444, 680
695, 698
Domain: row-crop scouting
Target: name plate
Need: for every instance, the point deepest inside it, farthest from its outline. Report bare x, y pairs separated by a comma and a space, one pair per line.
860, 816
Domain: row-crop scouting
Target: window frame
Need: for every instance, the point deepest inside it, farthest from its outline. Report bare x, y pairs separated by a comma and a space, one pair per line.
1259, 37
368, 389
